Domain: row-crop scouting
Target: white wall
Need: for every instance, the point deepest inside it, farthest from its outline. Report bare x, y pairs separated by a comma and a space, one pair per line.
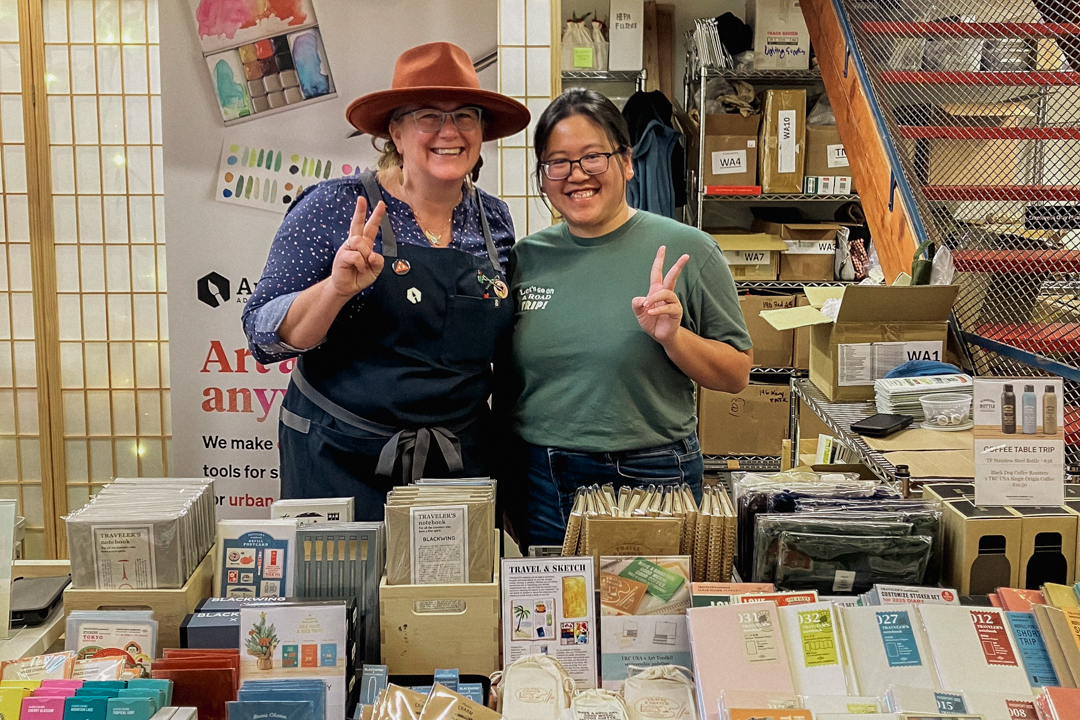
362, 38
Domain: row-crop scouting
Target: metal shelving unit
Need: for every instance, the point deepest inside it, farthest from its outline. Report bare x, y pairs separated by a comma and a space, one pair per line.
607, 76
839, 417
780, 198
789, 284
752, 463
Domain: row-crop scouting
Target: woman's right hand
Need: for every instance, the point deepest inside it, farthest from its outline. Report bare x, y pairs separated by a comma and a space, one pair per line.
356, 264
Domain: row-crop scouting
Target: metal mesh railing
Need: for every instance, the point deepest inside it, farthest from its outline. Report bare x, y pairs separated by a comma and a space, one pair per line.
982, 103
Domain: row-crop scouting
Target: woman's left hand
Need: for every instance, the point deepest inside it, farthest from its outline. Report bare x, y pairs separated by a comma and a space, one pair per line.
660, 312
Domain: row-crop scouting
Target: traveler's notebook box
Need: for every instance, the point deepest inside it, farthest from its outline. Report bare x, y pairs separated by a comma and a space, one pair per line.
743, 647
973, 649
983, 551
811, 249
828, 171
876, 329
886, 646
731, 156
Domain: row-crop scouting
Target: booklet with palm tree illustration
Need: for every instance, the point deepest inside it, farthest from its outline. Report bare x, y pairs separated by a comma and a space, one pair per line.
548, 609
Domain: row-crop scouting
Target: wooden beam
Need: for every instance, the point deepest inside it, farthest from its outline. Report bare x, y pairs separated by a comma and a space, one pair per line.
43, 273
891, 229
665, 41
650, 51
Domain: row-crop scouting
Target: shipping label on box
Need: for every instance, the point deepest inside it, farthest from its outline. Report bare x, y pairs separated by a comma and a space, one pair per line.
863, 363
837, 158
729, 162
1019, 441
781, 40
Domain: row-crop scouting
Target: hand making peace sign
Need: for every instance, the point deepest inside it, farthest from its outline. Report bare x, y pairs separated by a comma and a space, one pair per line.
356, 264
660, 312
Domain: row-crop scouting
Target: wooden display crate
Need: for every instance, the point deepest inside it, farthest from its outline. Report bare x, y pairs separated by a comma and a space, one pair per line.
169, 606
432, 626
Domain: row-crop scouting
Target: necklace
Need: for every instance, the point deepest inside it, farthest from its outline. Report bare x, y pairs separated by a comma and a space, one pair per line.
433, 238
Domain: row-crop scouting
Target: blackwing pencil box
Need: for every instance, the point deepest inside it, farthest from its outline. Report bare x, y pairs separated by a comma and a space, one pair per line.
211, 630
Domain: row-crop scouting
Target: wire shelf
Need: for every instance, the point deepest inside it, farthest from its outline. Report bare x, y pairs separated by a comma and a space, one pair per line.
839, 417
752, 463
762, 76
788, 284
852, 197
602, 75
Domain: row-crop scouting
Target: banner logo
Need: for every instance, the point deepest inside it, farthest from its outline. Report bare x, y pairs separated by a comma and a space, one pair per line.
214, 289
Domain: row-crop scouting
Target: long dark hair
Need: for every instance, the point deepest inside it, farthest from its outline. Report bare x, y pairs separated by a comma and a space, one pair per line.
589, 104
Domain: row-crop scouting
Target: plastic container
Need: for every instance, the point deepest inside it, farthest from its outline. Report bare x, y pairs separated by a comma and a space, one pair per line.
946, 410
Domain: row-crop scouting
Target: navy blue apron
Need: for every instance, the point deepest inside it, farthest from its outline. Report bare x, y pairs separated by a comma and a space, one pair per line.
399, 389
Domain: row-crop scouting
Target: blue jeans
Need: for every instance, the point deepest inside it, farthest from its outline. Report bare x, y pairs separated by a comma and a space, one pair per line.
552, 476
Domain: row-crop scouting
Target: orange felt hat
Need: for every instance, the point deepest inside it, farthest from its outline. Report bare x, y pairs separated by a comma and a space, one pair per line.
435, 72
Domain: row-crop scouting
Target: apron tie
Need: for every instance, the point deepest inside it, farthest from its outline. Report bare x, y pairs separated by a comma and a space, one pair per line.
412, 446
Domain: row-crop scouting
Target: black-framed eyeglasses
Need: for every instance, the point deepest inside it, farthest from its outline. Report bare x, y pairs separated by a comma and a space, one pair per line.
591, 164
430, 120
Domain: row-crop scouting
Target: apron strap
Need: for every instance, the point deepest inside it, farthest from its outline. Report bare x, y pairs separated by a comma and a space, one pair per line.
374, 195
410, 446
493, 254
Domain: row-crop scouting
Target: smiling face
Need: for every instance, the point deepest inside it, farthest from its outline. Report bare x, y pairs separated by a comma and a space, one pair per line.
447, 155
592, 205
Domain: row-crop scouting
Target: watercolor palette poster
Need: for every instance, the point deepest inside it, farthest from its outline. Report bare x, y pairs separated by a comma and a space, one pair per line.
263, 56
269, 176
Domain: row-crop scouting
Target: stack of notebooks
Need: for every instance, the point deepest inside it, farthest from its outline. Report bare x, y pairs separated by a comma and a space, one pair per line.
141, 534
297, 699
255, 558
900, 396
658, 520
204, 679
441, 532
91, 700
844, 659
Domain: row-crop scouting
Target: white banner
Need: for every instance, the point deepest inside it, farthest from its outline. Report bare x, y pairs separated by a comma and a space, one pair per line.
224, 404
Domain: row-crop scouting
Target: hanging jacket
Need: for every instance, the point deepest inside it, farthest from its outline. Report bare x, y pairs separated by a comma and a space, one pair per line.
642, 109
651, 187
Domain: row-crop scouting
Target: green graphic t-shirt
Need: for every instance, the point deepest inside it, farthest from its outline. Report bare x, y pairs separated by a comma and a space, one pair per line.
588, 377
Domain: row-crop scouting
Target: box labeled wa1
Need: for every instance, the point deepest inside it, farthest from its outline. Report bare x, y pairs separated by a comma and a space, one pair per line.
1019, 441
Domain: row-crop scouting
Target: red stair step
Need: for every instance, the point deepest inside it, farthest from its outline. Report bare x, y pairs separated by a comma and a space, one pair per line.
928, 77
967, 132
1034, 337
1019, 261
1005, 193
965, 29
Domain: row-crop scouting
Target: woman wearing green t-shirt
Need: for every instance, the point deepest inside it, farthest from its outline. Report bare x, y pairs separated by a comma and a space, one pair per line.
605, 351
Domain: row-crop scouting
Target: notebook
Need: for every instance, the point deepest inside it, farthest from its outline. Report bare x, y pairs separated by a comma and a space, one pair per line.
973, 649
813, 639
886, 647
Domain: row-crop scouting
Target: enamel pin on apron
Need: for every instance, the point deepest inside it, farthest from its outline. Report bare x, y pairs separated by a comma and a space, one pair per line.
401, 266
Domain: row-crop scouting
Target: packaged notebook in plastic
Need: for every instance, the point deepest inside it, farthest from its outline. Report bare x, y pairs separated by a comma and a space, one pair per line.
846, 564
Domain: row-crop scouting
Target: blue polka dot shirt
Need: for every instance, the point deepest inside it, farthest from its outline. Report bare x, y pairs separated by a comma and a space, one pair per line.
316, 225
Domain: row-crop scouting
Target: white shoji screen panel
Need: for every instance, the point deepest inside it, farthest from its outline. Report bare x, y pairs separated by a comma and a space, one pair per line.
101, 60
20, 463
524, 74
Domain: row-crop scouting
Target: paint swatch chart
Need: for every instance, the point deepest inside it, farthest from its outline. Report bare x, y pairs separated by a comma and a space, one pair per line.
270, 177
262, 57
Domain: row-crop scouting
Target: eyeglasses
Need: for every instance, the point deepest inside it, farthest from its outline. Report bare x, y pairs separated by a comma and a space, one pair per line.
429, 120
591, 164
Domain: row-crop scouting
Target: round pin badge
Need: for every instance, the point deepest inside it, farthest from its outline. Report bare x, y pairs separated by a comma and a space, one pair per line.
401, 267
500, 289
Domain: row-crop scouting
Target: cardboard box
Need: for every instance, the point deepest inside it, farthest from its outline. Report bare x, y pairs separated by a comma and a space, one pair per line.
754, 422
876, 329
750, 255
948, 491
1047, 547
982, 162
800, 355
428, 626
170, 606
782, 141
982, 547
731, 156
827, 169
781, 40
626, 34
772, 347
811, 249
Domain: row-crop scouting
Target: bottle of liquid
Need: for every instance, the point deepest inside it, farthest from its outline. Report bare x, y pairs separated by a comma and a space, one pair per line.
1008, 410
1029, 412
903, 477
1050, 411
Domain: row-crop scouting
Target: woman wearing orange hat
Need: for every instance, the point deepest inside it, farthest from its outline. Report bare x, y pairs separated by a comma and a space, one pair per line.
392, 313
